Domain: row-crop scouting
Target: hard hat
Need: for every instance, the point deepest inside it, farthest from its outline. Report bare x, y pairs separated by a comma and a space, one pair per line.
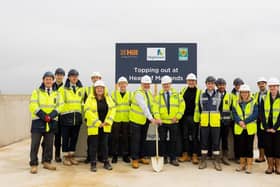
59, 71
191, 76
273, 81
48, 74
73, 72
244, 88
99, 83
238, 81
166, 79
261, 79
146, 79
122, 79
96, 74
210, 79
220, 81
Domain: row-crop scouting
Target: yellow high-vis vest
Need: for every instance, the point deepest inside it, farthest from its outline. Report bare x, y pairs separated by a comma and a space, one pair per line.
275, 108
91, 114
177, 106
122, 105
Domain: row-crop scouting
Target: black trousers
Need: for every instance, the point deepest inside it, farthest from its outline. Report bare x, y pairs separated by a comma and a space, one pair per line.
235, 146
214, 134
168, 148
120, 131
245, 143
189, 133
272, 144
69, 137
57, 141
95, 140
47, 148
138, 137
225, 129
260, 135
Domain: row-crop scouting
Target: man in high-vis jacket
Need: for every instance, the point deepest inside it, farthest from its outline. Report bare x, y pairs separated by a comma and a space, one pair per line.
210, 123
45, 105
143, 111
120, 128
171, 109
71, 116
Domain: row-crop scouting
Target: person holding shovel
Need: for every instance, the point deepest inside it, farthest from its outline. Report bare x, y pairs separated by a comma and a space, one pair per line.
171, 109
143, 111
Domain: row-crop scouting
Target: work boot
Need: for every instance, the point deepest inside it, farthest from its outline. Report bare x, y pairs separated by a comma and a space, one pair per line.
115, 159
195, 159
184, 158
72, 159
277, 170
93, 167
270, 163
249, 165
135, 164
225, 160
144, 161
34, 169
261, 156
203, 163
49, 166
242, 165
107, 165
174, 163
126, 159
217, 162
66, 160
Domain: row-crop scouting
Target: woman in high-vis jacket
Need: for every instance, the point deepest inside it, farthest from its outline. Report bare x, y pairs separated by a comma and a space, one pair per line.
245, 113
270, 110
100, 112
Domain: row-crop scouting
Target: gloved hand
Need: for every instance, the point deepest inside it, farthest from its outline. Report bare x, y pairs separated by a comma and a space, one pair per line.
48, 118
41, 114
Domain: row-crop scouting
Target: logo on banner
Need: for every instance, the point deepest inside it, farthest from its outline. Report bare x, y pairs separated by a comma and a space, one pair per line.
183, 54
156, 54
129, 53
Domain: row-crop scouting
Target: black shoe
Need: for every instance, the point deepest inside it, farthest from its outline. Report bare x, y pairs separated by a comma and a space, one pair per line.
107, 165
115, 159
174, 163
165, 160
58, 159
87, 161
126, 159
93, 167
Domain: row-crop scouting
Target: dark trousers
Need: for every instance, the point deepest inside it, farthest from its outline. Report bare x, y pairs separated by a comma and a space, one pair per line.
225, 129
235, 146
120, 139
57, 141
260, 135
69, 137
189, 133
95, 140
272, 144
245, 143
214, 134
47, 148
138, 137
168, 148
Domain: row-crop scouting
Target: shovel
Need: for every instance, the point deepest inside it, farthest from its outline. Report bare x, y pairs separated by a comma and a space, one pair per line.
157, 161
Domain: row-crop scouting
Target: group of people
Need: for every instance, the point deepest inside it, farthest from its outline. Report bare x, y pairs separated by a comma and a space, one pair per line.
202, 119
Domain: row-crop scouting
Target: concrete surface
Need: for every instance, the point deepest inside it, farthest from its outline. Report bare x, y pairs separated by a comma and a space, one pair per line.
14, 171
15, 119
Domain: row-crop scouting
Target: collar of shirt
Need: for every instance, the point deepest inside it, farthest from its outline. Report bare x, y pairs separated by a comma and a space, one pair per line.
46, 90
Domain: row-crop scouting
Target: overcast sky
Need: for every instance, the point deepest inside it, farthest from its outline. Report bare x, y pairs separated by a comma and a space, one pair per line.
234, 39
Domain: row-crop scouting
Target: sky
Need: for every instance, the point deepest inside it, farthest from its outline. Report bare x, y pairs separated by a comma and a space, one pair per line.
235, 38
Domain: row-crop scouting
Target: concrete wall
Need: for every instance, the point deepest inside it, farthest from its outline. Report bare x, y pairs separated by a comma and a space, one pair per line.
15, 119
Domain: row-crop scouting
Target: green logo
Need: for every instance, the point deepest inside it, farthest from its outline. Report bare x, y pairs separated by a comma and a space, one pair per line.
183, 54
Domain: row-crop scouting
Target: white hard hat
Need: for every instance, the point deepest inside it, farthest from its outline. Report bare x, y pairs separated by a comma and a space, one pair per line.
99, 83
244, 88
96, 74
166, 79
146, 79
191, 76
122, 79
273, 82
261, 79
